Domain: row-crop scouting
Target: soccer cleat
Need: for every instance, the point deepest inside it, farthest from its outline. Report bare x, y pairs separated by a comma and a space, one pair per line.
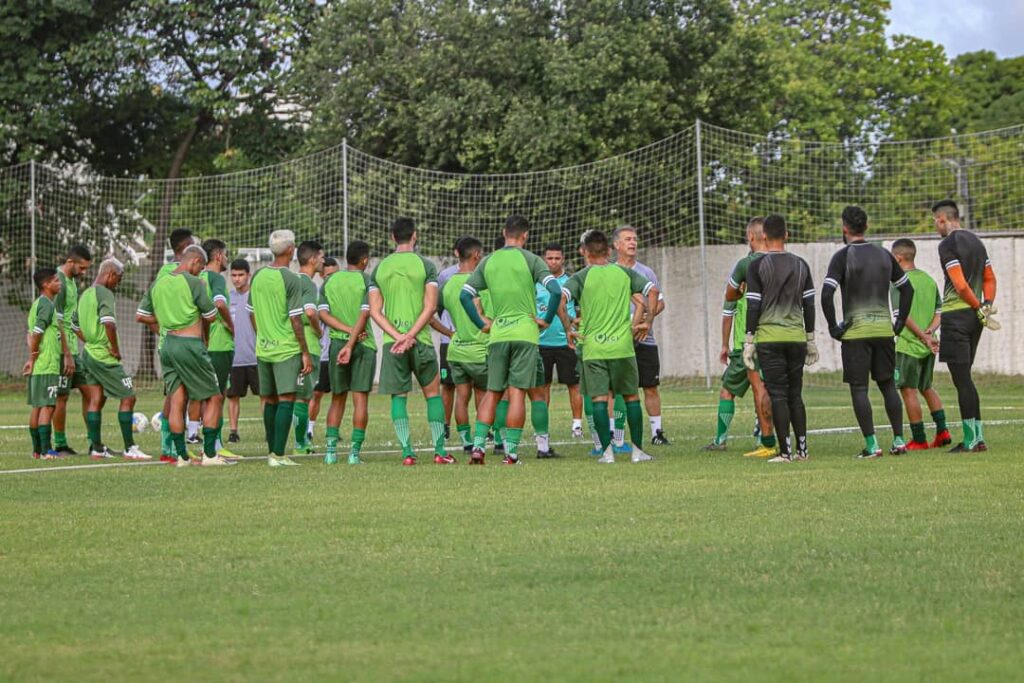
800, 455
898, 449
304, 449
959, 448
135, 453
781, 457
331, 459
444, 459
715, 447
183, 462
917, 446
50, 455
596, 452
640, 456
288, 462
869, 455
608, 458
280, 461
64, 450
545, 455
170, 459
477, 457
979, 447
233, 437
228, 455
510, 460
409, 460
101, 453
215, 461
35, 455
659, 439
943, 438
577, 432
353, 459
193, 440
624, 449
762, 452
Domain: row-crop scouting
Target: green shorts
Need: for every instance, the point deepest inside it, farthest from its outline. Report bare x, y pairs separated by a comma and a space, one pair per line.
42, 390
513, 364
612, 375
115, 381
396, 371
68, 383
222, 367
469, 373
915, 373
735, 379
539, 379
280, 377
186, 363
358, 374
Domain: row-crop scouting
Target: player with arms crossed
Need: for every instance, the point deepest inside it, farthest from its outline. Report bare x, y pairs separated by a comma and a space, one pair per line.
780, 333
44, 360
968, 307
221, 340
864, 273
76, 263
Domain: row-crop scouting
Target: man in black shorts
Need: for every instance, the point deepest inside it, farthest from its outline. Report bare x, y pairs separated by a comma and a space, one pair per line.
323, 384
864, 273
244, 376
967, 308
780, 333
555, 352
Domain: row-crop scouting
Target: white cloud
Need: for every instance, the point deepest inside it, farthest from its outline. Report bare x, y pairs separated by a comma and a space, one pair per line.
961, 26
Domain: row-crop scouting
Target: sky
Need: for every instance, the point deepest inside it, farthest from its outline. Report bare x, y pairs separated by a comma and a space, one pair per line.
963, 25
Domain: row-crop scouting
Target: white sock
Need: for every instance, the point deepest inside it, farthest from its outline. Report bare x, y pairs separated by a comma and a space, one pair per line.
542, 442
620, 437
611, 424
193, 428
218, 447
577, 424
655, 421
309, 429
595, 438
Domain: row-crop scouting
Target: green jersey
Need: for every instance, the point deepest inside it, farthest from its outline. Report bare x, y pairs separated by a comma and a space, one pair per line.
177, 301
469, 344
604, 293
402, 278
738, 279
309, 302
217, 290
96, 307
42, 319
345, 296
926, 303
275, 296
510, 275
66, 302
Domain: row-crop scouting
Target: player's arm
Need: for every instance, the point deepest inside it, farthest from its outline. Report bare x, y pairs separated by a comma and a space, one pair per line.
60, 303
542, 276
225, 315
144, 312
75, 327
435, 321
327, 319
951, 264
988, 285
901, 281
105, 309
377, 313
571, 292
661, 299
293, 296
44, 318
728, 316
808, 303
833, 279
471, 291
753, 297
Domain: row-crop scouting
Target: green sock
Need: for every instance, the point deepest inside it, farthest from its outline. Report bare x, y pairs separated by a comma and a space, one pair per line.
220, 430
480, 435
917, 433
400, 418
34, 433
970, 433
512, 437
726, 410
210, 441
60, 439
463, 431
588, 411
332, 441
979, 432
166, 444
635, 418
435, 418
619, 436
500, 413
282, 423
269, 417
897, 441
44, 438
358, 436
301, 415
539, 418
871, 443
768, 441
93, 426
178, 442
124, 421
604, 433
939, 417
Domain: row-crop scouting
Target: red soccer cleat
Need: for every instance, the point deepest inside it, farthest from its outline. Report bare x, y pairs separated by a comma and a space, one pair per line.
943, 438
409, 461
477, 457
169, 459
444, 459
510, 460
917, 446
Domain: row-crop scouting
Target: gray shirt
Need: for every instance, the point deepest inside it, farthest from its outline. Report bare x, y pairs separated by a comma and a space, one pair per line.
649, 274
442, 278
245, 337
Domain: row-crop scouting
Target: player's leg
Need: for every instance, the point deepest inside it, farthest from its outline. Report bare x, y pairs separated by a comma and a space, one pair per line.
856, 358
493, 405
360, 419
92, 395
525, 371
195, 419
969, 401
59, 413
287, 374
576, 406
797, 355
726, 411
957, 344
918, 437
234, 410
935, 407
460, 410
625, 382
648, 361
364, 369
396, 382
42, 397
428, 376
883, 372
540, 419
767, 446
33, 427
45, 430
447, 388
321, 389
177, 399
335, 413
775, 368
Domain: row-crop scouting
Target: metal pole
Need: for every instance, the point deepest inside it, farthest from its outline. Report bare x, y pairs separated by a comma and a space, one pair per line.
703, 257
344, 195
32, 218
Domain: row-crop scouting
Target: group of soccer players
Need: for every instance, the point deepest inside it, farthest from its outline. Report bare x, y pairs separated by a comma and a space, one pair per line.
891, 313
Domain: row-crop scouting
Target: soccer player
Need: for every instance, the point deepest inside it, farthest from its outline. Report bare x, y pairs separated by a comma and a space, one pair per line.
76, 263
311, 262
968, 307
282, 357
864, 273
323, 384
509, 275
345, 311
447, 385
737, 378
244, 374
555, 352
221, 339
780, 333
179, 305
403, 299
604, 291
43, 365
467, 351
102, 375
648, 361
915, 351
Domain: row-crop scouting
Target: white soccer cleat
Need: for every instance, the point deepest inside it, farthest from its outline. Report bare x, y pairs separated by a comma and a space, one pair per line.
577, 432
608, 458
135, 453
640, 456
215, 461
182, 462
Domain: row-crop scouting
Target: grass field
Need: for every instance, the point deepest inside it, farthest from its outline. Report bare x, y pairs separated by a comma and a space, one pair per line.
699, 567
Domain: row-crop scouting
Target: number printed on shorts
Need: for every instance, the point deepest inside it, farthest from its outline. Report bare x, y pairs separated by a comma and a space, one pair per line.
52, 391
127, 382
63, 382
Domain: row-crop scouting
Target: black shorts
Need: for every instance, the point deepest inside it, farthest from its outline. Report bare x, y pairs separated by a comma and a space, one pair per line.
648, 364
958, 336
323, 383
782, 368
446, 370
864, 357
563, 358
243, 377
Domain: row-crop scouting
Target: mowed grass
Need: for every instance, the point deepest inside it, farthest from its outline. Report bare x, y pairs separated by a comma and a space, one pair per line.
696, 566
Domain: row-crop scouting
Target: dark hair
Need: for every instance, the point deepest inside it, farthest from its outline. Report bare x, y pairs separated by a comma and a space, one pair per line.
516, 225
458, 241
469, 247
775, 227
553, 246
402, 229
596, 243
948, 208
179, 239
307, 250
330, 262
905, 248
42, 276
499, 242
855, 220
81, 252
240, 264
356, 252
212, 246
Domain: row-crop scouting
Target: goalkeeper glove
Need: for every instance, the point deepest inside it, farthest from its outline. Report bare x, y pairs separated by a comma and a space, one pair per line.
749, 352
812, 350
985, 314
838, 330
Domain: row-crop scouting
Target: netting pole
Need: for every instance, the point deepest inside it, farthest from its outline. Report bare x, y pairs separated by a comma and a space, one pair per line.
32, 220
344, 196
703, 256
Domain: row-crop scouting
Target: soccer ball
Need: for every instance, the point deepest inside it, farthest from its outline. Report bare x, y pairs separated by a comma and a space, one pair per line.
155, 422
139, 422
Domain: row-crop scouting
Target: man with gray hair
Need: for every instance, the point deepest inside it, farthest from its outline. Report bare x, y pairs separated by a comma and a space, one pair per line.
282, 357
102, 375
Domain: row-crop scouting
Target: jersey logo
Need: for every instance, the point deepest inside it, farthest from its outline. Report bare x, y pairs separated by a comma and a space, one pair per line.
602, 338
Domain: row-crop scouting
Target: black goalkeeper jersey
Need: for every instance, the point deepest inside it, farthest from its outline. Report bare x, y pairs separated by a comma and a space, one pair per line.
963, 248
863, 272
